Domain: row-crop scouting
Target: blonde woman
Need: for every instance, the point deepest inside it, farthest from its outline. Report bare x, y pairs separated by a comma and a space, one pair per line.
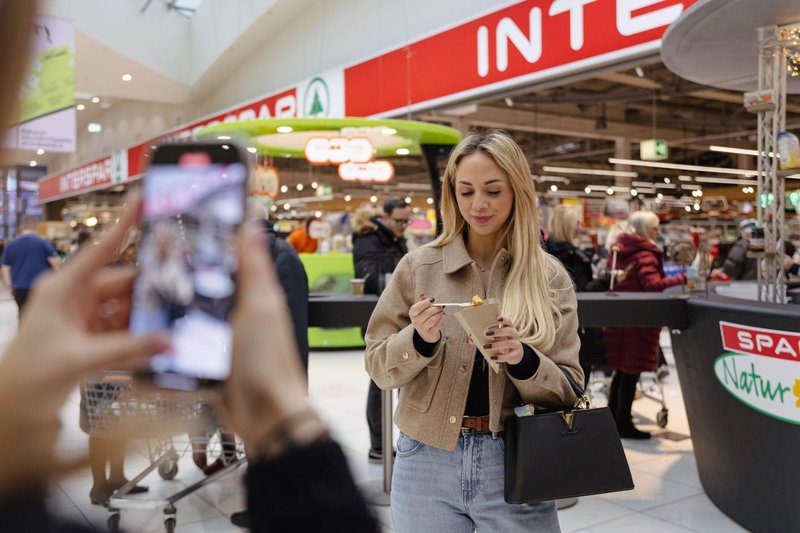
564, 230
631, 351
449, 471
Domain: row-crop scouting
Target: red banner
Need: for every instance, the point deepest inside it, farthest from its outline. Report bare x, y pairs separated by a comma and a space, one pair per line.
527, 41
93, 175
760, 341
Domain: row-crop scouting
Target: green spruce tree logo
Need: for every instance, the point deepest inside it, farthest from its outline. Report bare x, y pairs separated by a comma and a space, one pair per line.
316, 105
316, 100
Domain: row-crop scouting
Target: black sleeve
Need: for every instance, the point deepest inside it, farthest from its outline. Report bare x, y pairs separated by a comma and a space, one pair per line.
306, 489
366, 258
293, 279
423, 347
735, 261
526, 368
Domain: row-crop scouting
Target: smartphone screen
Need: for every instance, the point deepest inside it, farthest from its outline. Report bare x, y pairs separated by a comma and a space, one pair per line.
193, 204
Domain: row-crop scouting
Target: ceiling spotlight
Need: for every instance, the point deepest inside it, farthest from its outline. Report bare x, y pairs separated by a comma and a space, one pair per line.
284, 129
347, 197
554, 188
95, 99
32, 163
587, 189
273, 208
299, 186
373, 198
685, 178
403, 151
667, 180
687, 208
634, 192
429, 201
314, 185
659, 196
80, 107
286, 206
127, 77
94, 127
744, 190
610, 191
639, 72
408, 199
40, 151
697, 207
91, 222
509, 101
318, 214
284, 188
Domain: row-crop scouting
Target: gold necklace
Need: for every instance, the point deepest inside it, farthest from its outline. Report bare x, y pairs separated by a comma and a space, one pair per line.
482, 269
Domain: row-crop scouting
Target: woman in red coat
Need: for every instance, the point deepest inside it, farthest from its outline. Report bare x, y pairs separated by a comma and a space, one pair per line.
631, 351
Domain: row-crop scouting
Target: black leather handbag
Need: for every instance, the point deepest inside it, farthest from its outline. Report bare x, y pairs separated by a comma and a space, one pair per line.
562, 454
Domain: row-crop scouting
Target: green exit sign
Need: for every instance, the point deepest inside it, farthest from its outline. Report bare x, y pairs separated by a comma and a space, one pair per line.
654, 150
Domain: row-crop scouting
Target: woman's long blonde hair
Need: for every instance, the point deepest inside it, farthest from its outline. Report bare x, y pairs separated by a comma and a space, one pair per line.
527, 299
563, 223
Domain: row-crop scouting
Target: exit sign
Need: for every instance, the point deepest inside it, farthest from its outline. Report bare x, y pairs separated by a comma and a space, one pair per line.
654, 150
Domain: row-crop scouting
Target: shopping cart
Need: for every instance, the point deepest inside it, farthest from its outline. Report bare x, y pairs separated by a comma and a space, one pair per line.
114, 406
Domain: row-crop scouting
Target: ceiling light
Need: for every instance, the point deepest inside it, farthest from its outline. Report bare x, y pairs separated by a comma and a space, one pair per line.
284, 129
91, 222
373, 198
554, 188
587, 189
80, 107
667, 180
509, 101
252, 149
675, 166
403, 151
591, 171
610, 191
429, 201
388, 131
32, 163
634, 192
687, 208
40, 151
639, 72
408, 199
318, 214
659, 196
95, 99
224, 137
732, 150
560, 179
94, 127
273, 208
725, 181
127, 77
299, 186
347, 197
284, 188
684, 178
697, 207
314, 185
690, 186
665, 186
286, 206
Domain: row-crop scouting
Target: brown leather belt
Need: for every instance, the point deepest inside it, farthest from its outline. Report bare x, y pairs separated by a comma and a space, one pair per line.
479, 424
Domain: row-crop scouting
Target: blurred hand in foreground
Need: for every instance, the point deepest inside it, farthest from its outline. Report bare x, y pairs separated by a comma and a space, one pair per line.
75, 323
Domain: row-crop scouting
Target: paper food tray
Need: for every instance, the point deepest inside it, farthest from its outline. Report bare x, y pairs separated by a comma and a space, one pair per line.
475, 321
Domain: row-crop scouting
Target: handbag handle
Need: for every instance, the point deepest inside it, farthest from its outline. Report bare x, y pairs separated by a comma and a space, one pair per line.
583, 400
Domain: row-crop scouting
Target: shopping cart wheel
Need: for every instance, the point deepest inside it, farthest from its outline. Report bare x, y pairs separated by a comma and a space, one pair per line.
113, 523
662, 417
169, 525
168, 469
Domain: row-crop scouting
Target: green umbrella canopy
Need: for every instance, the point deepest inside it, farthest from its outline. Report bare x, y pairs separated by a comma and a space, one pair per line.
387, 135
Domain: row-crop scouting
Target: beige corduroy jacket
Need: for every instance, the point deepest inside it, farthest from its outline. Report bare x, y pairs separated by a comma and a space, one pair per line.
433, 390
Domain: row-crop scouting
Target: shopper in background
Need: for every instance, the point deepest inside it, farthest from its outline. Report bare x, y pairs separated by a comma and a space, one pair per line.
564, 231
25, 259
449, 473
631, 351
83, 240
737, 265
301, 239
378, 245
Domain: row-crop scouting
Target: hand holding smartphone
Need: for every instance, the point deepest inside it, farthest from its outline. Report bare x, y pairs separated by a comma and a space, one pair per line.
193, 203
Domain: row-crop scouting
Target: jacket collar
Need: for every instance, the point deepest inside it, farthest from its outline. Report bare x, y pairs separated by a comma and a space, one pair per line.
455, 256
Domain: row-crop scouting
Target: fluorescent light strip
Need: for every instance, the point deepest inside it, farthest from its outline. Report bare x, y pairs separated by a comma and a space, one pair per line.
615, 187
596, 172
572, 194
665, 185
674, 166
691, 186
732, 150
560, 179
684, 178
726, 181
642, 184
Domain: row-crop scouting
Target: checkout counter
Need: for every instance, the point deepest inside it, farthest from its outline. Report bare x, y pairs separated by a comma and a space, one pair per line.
739, 366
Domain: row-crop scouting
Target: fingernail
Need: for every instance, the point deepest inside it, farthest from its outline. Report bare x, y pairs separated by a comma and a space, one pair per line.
494, 358
431, 300
487, 346
499, 319
489, 332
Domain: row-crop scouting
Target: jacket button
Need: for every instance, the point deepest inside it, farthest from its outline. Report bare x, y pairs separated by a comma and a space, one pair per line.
405, 355
452, 420
463, 368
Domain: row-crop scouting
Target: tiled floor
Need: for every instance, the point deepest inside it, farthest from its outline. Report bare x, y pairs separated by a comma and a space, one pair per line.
668, 496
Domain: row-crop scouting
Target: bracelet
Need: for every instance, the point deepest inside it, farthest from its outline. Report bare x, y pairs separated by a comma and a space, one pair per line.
295, 431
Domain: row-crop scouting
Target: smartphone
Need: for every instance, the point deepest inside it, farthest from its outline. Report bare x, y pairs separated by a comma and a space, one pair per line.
193, 204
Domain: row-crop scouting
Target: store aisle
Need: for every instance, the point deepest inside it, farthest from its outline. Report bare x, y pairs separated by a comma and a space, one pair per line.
668, 495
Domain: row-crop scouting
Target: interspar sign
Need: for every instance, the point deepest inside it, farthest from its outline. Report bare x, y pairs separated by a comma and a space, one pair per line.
523, 43
761, 369
97, 174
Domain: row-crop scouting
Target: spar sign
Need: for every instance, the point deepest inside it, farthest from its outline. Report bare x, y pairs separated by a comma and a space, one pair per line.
761, 369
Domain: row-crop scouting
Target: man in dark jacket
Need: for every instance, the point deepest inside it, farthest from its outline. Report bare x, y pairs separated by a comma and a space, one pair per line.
737, 265
378, 245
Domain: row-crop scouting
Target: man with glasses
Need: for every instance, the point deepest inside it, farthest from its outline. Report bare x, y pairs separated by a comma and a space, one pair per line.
378, 245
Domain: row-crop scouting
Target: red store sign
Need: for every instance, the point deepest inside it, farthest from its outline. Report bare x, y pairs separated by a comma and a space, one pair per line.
94, 175
760, 341
523, 43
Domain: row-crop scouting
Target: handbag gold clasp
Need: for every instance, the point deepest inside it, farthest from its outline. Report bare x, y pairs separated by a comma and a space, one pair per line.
568, 417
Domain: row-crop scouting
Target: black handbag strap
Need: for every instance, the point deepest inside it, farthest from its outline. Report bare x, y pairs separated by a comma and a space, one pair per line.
577, 389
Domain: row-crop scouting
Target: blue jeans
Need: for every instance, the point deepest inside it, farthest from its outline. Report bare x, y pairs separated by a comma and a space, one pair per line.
436, 490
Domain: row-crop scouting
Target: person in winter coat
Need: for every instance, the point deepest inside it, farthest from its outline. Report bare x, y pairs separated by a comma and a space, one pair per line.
631, 351
564, 228
449, 474
737, 265
301, 239
378, 245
